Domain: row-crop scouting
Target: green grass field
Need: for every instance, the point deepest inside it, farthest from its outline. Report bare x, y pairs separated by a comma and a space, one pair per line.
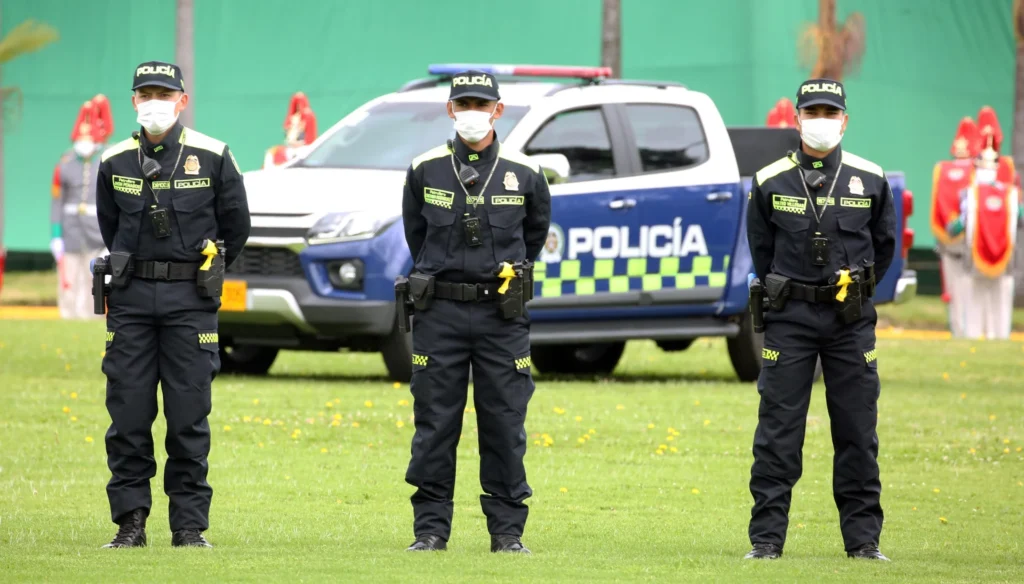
645, 476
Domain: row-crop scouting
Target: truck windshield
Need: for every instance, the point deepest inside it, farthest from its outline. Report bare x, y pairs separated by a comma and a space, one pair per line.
389, 135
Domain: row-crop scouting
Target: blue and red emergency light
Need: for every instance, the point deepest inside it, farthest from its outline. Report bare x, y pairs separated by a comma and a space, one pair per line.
523, 70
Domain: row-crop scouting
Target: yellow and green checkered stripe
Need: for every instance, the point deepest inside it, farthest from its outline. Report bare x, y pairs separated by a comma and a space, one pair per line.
110, 336
419, 360
208, 338
524, 362
576, 277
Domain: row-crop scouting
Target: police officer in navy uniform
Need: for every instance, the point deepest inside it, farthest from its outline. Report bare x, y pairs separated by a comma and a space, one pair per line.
470, 206
821, 228
164, 198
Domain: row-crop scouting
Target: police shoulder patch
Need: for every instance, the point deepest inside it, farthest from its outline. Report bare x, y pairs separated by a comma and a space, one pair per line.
122, 146
195, 139
517, 157
431, 154
864, 164
779, 166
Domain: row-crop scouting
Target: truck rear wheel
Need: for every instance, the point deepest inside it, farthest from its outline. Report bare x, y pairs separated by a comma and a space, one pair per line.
745, 352
675, 345
247, 359
589, 359
396, 348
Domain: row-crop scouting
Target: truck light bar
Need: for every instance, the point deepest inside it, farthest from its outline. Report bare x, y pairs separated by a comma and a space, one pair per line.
523, 70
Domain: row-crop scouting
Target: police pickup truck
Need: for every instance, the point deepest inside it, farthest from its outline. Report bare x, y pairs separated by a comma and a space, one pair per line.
647, 240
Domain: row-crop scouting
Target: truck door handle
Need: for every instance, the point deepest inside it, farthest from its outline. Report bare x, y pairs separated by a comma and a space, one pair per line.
622, 204
719, 196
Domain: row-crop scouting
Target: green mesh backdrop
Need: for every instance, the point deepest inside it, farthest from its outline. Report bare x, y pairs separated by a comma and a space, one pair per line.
926, 65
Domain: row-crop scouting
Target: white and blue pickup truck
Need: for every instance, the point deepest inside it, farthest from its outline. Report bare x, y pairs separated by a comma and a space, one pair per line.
647, 240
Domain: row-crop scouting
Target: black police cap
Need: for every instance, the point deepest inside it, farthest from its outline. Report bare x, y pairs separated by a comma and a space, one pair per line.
474, 83
158, 73
821, 92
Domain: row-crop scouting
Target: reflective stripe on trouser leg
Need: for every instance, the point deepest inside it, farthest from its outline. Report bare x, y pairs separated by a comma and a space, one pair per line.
130, 365
787, 373
439, 386
502, 388
850, 363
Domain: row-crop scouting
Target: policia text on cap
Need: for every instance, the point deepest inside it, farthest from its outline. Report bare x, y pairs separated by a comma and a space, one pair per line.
172, 211
476, 214
821, 228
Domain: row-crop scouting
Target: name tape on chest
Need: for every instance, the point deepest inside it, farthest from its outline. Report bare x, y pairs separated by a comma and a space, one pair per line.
192, 183
855, 203
507, 200
438, 197
161, 185
129, 185
789, 204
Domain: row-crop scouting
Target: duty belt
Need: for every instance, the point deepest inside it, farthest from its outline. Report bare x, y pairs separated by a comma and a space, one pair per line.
151, 270
820, 294
466, 292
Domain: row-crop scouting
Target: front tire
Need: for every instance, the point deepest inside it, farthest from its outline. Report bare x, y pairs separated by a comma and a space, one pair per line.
589, 359
745, 352
247, 359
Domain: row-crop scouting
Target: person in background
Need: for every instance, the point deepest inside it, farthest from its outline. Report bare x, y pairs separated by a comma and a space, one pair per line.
75, 231
949, 179
299, 128
990, 214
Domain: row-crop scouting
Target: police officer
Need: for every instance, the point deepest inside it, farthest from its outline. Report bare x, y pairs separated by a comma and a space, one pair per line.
472, 209
164, 197
821, 228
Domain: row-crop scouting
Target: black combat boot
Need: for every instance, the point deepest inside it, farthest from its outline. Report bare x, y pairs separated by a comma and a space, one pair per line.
131, 532
189, 538
868, 551
428, 543
508, 543
764, 551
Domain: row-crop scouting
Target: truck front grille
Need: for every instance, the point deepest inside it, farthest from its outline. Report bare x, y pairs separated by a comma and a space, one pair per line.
267, 261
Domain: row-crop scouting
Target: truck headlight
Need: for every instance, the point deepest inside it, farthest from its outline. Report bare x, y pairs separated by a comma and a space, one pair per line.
335, 227
346, 274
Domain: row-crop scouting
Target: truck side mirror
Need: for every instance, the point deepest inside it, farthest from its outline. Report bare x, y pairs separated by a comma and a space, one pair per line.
554, 166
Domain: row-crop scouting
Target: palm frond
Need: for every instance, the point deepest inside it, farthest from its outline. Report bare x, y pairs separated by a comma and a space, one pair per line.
1018, 20
853, 42
11, 104
808, 46
27, 37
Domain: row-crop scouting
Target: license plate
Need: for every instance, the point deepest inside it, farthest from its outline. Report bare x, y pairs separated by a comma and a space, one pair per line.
233, 296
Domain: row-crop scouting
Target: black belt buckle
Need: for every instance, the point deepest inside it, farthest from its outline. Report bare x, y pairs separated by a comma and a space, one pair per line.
471, 229
819, 250
161, 223
161, 270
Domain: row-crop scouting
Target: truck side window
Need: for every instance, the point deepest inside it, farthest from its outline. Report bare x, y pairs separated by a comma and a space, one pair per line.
669, 137
582, 136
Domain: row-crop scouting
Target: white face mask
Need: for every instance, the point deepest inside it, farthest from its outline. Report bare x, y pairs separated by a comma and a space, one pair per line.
84, 148
821, 134
472, 125
157, 115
